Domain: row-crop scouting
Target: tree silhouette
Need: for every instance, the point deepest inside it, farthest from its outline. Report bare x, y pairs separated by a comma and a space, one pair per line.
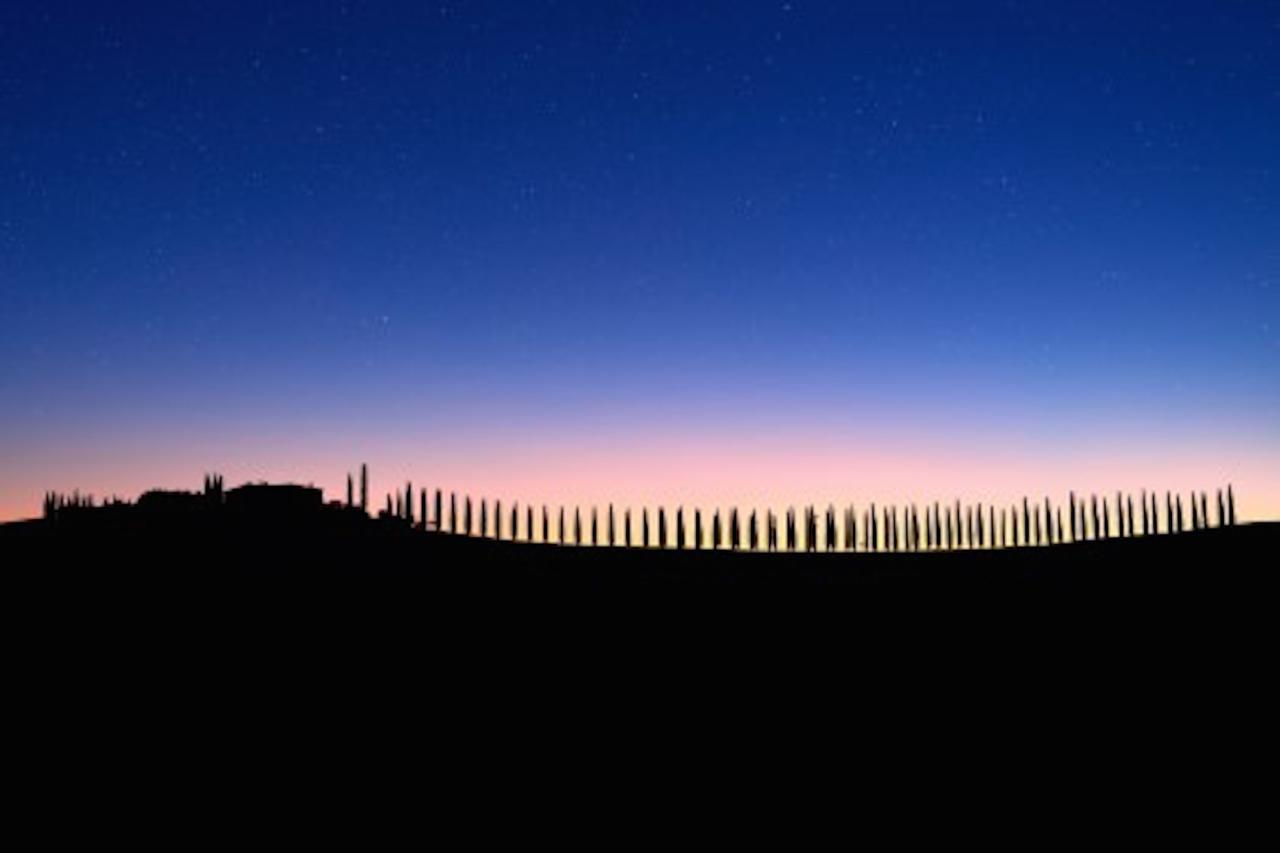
753, 541
680, 528
364, 488
662, 527
626, 522
697, 529
577, 526
1231, 506
644, 543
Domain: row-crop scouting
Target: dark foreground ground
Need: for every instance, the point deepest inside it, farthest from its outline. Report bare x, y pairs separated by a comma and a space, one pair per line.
221, 644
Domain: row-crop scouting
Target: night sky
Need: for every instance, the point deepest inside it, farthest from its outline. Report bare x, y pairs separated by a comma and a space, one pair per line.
712, 253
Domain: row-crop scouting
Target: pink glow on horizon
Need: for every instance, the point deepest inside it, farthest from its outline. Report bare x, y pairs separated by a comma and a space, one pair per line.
787, 467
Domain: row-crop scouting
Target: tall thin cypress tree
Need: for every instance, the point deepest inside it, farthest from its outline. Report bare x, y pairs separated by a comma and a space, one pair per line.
1231, 506
364, 488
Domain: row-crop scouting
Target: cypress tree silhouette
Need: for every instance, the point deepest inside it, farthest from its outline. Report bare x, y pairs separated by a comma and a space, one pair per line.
715, 529
350, 491
937, 528
1222, 510
364, 488
680, 528
1026, 522
1048, 521
1093, 510
811, 529
626, 526
497, 519
1231, 506
872, 532
1058, 511
1204, 510
484, 519
1155, 512
515, 522
1178, 505
561, 534
595, 529
408, 502
546, 525
1071, 513
390, 514
439, 515
453, 513
662, 527
1195, 513
644, 543
611, 527
466, 505
577, 526
853, 529
890, 529
424, 508
773, 530
697, 528
399, 509
734, 531
1146, 515
1168, 506
951, 532
753, 542
528, 523
791, 528
991, 525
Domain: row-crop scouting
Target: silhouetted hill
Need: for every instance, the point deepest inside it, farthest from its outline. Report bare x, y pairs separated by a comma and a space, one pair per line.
173, 541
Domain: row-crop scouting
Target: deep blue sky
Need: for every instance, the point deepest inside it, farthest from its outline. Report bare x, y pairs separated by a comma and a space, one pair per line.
252, 214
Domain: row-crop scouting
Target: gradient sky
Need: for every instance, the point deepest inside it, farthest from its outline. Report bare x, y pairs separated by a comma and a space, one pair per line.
756, 253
